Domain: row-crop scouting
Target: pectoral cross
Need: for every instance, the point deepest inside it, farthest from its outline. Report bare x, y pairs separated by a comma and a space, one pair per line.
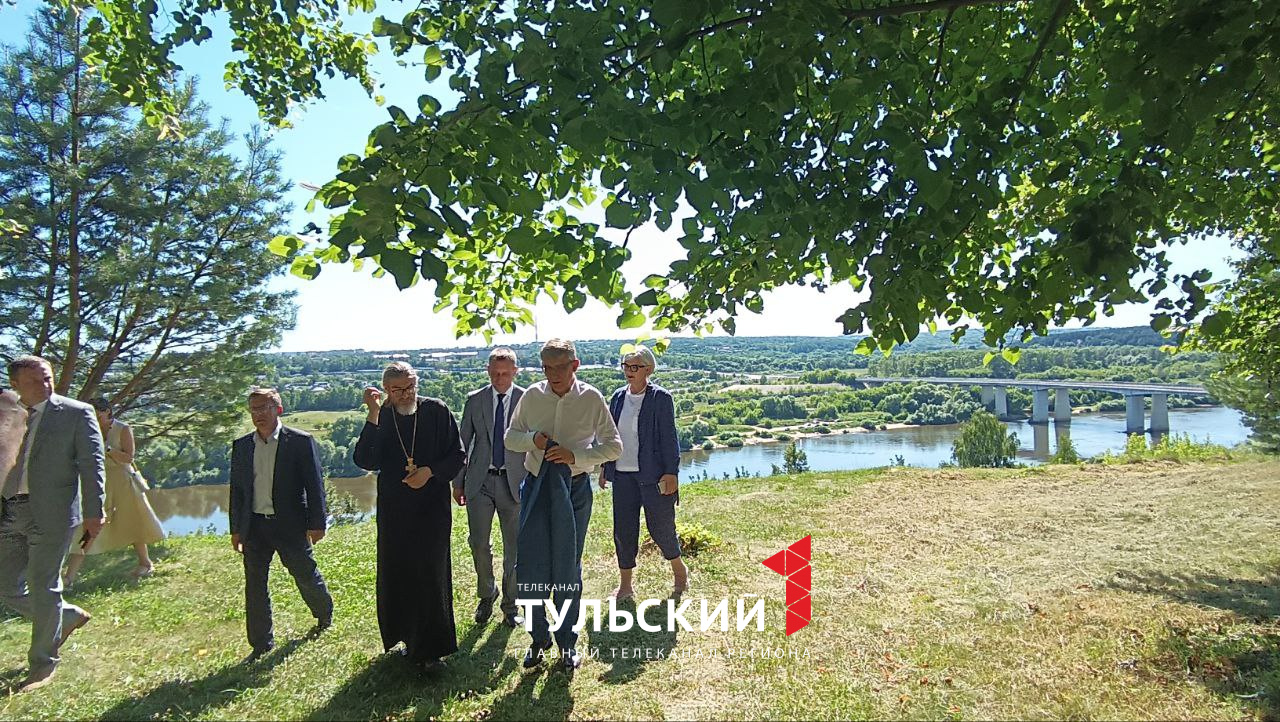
410, 467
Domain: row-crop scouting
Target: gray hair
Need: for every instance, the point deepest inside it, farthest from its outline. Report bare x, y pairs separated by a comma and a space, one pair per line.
643, 355
558, 348
398, 369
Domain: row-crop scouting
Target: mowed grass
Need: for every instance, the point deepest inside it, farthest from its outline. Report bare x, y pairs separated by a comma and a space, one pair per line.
1141, 591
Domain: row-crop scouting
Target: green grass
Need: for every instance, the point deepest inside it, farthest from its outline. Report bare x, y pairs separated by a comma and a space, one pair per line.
1130, 591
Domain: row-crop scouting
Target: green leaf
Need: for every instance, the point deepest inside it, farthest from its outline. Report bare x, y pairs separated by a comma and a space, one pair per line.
619, 215
631, 317
428, 105
285, 246
1215, 324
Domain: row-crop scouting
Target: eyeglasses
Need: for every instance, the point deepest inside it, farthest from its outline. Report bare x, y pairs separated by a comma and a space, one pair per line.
402, 389
633, 368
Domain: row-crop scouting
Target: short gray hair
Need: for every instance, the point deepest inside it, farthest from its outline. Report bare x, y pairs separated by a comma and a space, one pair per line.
558, 348
643, 354
397, 369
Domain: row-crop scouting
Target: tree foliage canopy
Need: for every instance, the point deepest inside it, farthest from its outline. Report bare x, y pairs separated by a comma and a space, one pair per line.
1016, 163
138, 265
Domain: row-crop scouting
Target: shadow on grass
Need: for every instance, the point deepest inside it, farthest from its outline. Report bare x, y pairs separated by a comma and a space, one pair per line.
1252, 598
187, 698
391, 686
1238, 661
626, 653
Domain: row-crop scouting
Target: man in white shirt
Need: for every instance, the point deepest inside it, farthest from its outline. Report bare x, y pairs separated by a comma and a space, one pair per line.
571, 418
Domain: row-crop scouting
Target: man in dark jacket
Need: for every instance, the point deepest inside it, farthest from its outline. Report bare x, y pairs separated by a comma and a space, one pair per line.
277, 506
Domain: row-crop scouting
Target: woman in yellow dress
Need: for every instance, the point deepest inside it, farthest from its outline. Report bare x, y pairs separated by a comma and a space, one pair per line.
130, 518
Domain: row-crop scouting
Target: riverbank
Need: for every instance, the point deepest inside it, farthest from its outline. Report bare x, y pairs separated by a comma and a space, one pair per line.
1141, 591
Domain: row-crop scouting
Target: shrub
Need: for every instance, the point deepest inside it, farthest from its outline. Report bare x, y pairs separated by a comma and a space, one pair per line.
708, 444
1066, 453
984, 441
735, 442
343, 507
794, 460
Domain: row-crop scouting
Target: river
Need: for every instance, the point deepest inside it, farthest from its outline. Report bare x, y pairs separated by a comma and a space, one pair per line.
194, 509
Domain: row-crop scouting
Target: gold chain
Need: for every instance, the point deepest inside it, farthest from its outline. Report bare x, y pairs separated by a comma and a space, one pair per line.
410, 467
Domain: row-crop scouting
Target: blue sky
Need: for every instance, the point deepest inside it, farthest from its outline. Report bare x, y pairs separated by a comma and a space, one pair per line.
344, 308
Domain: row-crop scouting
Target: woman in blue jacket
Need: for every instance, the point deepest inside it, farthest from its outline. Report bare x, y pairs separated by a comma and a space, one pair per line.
646, 474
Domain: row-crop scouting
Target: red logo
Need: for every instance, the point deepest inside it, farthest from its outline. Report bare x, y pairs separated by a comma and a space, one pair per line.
793, 563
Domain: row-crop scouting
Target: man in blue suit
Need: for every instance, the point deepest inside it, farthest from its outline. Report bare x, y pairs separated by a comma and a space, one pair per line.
52, 484
277, 506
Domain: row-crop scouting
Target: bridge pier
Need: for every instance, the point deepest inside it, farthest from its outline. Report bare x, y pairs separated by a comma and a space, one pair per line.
1159, 413
1040, 408
1000, 402
1062, 406
1134, 411
988, 396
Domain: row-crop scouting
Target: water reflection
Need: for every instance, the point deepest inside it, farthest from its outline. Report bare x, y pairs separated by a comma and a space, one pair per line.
203, 508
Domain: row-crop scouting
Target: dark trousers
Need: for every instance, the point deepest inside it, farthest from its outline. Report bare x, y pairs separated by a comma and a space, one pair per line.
266, 538
630, 494
566, 637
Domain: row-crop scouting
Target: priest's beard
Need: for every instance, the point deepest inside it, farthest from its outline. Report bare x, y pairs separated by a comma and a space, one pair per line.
408, 408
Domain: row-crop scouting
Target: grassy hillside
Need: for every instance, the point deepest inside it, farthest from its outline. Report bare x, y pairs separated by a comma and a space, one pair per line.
1145, 591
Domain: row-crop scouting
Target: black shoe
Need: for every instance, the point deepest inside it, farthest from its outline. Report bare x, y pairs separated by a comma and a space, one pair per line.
484, 610
570, 659
433, 667
320, 626
534, 656
512, 620
257, 654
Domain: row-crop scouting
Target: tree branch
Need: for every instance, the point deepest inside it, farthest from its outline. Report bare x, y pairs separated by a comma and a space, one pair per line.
1050, 29
918, 7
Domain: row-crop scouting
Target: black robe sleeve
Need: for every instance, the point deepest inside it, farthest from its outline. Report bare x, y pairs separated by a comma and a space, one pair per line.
366, 453
448, 456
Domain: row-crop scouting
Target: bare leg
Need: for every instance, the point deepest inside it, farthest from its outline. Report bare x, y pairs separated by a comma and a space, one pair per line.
144, 561
73, 569
680, 573
624, 590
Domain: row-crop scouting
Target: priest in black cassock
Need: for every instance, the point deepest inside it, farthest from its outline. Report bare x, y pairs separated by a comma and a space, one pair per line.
413, 444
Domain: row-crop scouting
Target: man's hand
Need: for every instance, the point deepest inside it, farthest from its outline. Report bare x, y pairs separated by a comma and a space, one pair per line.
560, 455
315, 535
373, 400
235, 544
667, 484
92, 526
459, 497
604, 483
541, 440
418, 479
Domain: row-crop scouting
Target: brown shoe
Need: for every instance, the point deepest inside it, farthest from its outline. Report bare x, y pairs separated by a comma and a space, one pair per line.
67, 630
38, 678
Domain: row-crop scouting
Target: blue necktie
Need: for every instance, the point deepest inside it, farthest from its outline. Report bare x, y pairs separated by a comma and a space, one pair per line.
499, 431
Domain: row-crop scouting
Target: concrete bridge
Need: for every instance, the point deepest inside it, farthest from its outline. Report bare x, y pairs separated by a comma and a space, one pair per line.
995, 396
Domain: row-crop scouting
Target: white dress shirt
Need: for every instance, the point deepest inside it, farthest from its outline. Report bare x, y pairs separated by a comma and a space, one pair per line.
264, 470
33, 423
579, 421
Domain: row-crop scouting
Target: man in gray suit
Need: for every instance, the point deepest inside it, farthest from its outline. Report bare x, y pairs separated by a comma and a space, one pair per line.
55, 482
490, 481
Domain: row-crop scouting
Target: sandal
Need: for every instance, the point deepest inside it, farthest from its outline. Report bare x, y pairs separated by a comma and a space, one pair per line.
141, 572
